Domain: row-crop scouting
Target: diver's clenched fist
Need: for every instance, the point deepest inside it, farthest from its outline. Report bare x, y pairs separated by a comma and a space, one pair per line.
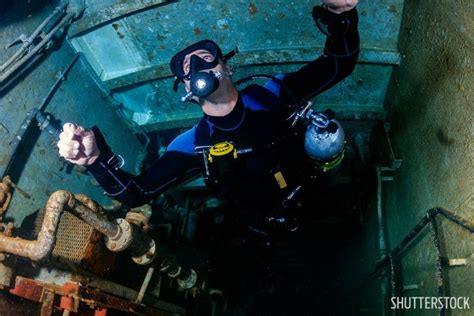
77, 145
339, 6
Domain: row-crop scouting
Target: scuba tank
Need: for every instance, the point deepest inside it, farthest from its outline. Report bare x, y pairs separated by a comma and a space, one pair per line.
324, 142
324, 139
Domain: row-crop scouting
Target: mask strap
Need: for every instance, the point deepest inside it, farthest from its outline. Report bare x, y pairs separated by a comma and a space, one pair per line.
176, 83
230, 54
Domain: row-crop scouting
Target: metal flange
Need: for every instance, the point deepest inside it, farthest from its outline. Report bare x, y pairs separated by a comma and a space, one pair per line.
123, 239
189, 282
149, 256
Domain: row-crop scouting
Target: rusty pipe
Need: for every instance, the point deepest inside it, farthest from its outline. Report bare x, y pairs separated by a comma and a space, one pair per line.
43, 245
90, 203
90, 212
120, 235
58, 202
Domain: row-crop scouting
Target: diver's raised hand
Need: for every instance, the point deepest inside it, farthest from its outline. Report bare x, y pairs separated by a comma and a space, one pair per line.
78, 145
340, 6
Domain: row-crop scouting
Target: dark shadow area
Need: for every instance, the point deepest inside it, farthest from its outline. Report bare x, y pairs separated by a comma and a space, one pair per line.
14, 10
13, 305
298, 273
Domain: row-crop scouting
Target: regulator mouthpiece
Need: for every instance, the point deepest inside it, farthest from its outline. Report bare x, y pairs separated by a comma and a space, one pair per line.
203, 84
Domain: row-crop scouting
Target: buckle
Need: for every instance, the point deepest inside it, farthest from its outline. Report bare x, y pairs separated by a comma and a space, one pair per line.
116, 162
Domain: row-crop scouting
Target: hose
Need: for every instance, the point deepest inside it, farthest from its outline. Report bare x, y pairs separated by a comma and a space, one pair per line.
74, 10
28, 41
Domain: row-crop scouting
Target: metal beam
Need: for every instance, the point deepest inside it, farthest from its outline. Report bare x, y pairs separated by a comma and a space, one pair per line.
141, 75
343, 113
253, 59
172, 124
93, 20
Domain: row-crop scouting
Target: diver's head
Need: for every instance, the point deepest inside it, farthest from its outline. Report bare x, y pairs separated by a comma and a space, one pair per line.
204, 72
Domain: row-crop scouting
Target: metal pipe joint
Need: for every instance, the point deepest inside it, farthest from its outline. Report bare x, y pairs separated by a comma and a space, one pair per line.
131, 237
120, 235
186, 277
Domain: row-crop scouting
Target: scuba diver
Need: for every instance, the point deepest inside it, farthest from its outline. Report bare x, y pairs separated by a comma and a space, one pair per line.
250, 145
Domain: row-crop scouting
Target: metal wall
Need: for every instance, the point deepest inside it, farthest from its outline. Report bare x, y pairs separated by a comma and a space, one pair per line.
38, 169
432, 132
130, 48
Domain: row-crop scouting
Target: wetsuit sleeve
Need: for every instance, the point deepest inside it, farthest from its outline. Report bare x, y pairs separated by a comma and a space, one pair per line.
337, 62
176, 164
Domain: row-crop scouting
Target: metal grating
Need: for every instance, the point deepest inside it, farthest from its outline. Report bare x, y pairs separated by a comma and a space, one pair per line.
73, 239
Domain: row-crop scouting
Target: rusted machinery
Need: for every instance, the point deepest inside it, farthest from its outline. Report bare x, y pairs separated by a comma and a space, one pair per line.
70, 229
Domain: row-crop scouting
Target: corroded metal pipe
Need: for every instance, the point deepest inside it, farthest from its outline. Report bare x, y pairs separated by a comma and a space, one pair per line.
91, 213
43, 245
120, 235
58, 202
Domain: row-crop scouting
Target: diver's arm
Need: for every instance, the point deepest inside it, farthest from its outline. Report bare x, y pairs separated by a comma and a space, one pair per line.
173, 167
338, 61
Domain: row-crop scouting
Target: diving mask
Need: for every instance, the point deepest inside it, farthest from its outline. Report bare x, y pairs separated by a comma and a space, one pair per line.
202, 83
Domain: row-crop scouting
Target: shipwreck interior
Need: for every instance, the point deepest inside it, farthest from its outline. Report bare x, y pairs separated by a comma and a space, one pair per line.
395, 221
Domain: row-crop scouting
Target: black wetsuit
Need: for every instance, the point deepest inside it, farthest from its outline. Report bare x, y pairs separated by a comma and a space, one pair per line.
255, 122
